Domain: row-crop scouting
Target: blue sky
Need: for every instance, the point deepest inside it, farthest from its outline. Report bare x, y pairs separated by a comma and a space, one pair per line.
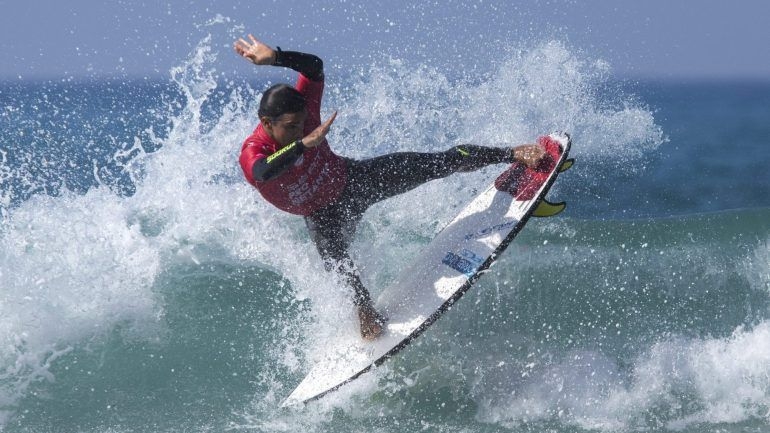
651, 38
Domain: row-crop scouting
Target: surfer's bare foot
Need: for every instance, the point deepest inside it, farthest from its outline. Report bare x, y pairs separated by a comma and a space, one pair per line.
372, 322
528, 154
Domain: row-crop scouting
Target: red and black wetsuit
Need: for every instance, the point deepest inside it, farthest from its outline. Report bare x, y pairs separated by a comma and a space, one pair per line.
300, 180
331, 192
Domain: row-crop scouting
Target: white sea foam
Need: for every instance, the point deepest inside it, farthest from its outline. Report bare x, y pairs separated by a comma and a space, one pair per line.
757, 267
674, 384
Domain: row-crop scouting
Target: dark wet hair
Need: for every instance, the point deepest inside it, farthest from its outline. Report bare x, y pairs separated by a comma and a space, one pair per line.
280, 99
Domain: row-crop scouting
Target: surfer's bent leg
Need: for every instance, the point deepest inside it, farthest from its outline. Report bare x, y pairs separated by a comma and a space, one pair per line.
327, 229
329, 234
385, 176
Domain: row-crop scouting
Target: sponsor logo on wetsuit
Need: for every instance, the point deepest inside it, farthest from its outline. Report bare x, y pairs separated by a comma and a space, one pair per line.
304, 188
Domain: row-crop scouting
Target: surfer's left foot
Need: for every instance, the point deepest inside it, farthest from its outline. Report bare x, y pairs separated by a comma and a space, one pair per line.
372, 322
528, 154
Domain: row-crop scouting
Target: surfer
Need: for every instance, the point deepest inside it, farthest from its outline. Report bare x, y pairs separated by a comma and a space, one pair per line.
288, 159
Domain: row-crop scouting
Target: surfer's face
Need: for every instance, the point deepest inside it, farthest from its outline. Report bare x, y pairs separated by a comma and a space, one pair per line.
286, 128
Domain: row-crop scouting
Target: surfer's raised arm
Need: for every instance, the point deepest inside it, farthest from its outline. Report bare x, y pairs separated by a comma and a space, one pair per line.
256, 52
260, 53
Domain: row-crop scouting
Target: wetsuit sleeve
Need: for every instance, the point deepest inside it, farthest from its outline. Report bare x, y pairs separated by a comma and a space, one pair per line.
308, 65
310, 82
272, 166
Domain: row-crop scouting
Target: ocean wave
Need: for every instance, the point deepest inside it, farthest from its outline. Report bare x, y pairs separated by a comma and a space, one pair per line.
189, 269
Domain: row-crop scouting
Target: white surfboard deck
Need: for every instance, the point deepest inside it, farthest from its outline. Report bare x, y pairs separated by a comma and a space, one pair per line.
440, 275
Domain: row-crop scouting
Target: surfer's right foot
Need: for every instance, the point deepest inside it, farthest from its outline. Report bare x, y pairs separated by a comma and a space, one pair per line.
372, 322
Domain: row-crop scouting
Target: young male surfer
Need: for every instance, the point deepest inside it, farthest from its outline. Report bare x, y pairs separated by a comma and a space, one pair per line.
288, 159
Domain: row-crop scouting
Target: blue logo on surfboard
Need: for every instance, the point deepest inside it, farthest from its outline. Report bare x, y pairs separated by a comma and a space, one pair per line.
466, 262
486, 231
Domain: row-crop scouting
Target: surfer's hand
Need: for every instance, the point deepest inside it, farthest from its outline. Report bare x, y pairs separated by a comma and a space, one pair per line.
256, 52
318, 135
529, 154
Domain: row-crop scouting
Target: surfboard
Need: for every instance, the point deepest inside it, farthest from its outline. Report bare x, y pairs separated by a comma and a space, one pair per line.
445, 269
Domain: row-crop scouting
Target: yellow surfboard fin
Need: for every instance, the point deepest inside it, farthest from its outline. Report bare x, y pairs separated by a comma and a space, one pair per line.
566, 165
548, 209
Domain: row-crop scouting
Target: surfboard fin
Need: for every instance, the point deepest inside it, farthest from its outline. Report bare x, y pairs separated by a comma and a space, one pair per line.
566, 165
548, 209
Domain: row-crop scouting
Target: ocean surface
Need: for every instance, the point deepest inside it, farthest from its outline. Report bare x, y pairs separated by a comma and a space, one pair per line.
145, 287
